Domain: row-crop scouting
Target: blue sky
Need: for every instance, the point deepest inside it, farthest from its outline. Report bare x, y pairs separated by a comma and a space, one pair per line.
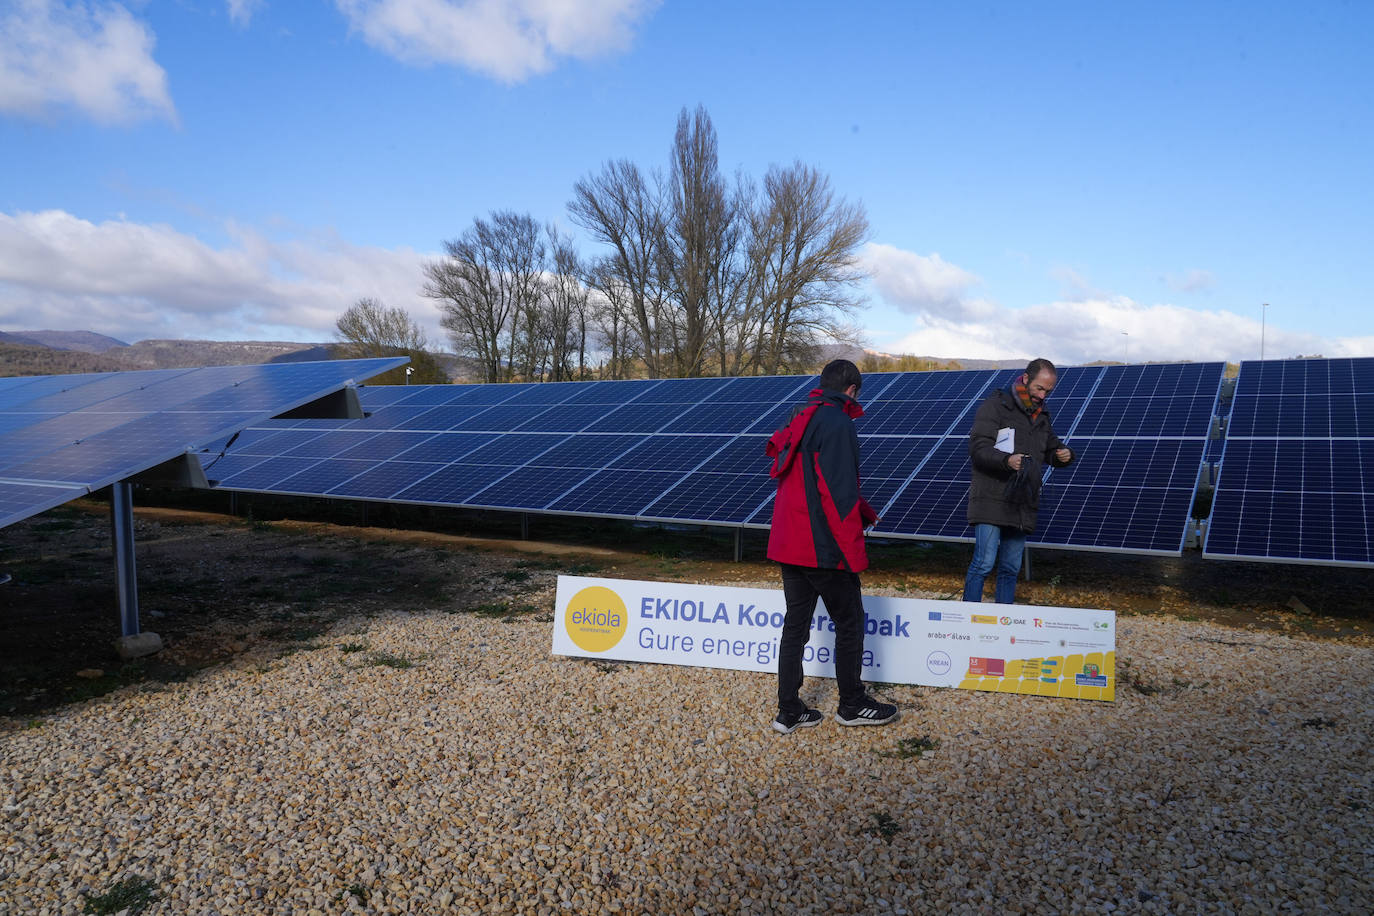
1073, 180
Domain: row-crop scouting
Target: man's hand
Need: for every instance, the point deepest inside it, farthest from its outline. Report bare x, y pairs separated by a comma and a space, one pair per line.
1014, 461
1064, 455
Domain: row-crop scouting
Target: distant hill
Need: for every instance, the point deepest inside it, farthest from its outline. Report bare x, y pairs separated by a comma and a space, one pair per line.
81, 351
80, 341
32, 359
187, 354
63, 352
76, 351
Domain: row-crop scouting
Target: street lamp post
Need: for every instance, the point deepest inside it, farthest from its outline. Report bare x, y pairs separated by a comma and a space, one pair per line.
1264, 308
1126, 348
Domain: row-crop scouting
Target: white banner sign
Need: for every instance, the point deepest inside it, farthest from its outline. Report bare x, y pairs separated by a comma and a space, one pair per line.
1045, 651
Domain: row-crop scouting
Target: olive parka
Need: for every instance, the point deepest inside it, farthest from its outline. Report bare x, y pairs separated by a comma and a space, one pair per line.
990, 502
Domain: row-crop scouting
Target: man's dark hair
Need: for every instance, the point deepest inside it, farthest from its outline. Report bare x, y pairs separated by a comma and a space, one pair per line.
839, 374
1038, 366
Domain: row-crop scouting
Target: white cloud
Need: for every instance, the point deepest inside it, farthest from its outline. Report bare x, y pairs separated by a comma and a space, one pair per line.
1191, 281
1085, 326
132, 281
510, 40
241, 11
96, 59
922, 284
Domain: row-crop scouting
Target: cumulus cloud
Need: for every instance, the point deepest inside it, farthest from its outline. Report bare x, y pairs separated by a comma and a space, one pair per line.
133, 281
95, 59
1117, 329
510, 40
923, 284
1083, 326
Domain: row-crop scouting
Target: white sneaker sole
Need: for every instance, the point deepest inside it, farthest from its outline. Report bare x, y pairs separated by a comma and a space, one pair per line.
863, 721
784, 730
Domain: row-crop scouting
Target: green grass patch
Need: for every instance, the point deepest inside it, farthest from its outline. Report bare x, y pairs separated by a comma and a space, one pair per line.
301, 632
354, 890
134, 895
389, 660
494, 609
908, 748
884, 825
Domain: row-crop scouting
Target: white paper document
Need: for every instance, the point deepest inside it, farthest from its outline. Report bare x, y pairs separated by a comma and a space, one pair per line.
1006, 440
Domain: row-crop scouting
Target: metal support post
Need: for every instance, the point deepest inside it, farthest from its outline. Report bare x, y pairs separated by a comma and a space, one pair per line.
739, 545
524, 526
122, 527
1025, 563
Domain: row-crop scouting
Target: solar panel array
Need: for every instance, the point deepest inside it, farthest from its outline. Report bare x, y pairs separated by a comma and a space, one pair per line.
62, 436
1138, 434
1297, 470
692, 450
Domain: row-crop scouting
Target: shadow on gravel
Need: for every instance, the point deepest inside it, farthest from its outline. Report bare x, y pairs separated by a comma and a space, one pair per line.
215, 585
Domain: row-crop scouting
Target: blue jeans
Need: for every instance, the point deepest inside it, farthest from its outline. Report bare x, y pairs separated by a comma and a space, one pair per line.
995, 546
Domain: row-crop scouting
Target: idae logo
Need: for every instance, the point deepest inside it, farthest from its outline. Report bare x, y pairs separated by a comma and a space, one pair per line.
595, 619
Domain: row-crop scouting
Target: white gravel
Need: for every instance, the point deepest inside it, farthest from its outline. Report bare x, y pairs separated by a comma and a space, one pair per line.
493, 777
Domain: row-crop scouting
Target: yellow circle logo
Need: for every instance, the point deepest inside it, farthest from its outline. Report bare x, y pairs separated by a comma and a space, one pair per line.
596, 619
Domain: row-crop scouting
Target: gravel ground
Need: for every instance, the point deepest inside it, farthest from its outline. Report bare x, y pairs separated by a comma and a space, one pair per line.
431, 762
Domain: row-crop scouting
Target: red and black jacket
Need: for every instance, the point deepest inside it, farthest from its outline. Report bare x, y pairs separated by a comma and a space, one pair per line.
818, 515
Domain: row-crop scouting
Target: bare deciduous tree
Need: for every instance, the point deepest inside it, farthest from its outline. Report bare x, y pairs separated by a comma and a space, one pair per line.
804, 256
626, 213
697, 249
566, 308
711, 278
370, 329
610, 313
697, 276
488, 287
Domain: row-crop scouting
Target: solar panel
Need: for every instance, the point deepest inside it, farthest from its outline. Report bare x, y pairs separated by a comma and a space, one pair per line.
452, 484
713, 499
1295, 472
1132, 482
70, 435
920, 402
692, 450
567, 418
615, 494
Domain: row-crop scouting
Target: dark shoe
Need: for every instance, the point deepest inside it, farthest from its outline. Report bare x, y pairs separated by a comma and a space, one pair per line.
787, 723
869, 712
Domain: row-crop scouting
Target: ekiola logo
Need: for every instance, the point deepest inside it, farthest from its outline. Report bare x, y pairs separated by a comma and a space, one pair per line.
595, 619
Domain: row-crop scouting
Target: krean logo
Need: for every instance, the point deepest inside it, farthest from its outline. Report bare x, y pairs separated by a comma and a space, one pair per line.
938, 663
595, 619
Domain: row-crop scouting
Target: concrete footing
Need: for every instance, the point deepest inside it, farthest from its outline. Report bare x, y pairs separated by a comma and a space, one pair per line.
138, 645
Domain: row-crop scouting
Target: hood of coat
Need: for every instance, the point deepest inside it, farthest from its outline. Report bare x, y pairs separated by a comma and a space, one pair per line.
839, 399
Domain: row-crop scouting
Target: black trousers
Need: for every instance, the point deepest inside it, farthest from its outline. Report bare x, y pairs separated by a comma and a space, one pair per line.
839, 589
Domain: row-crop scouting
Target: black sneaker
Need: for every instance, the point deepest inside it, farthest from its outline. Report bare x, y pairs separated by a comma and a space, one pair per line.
787, 723
868, 712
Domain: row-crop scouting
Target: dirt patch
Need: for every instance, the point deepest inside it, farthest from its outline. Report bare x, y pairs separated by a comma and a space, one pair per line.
215, 586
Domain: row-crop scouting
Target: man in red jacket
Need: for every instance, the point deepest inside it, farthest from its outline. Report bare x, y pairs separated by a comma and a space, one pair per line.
817, 536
